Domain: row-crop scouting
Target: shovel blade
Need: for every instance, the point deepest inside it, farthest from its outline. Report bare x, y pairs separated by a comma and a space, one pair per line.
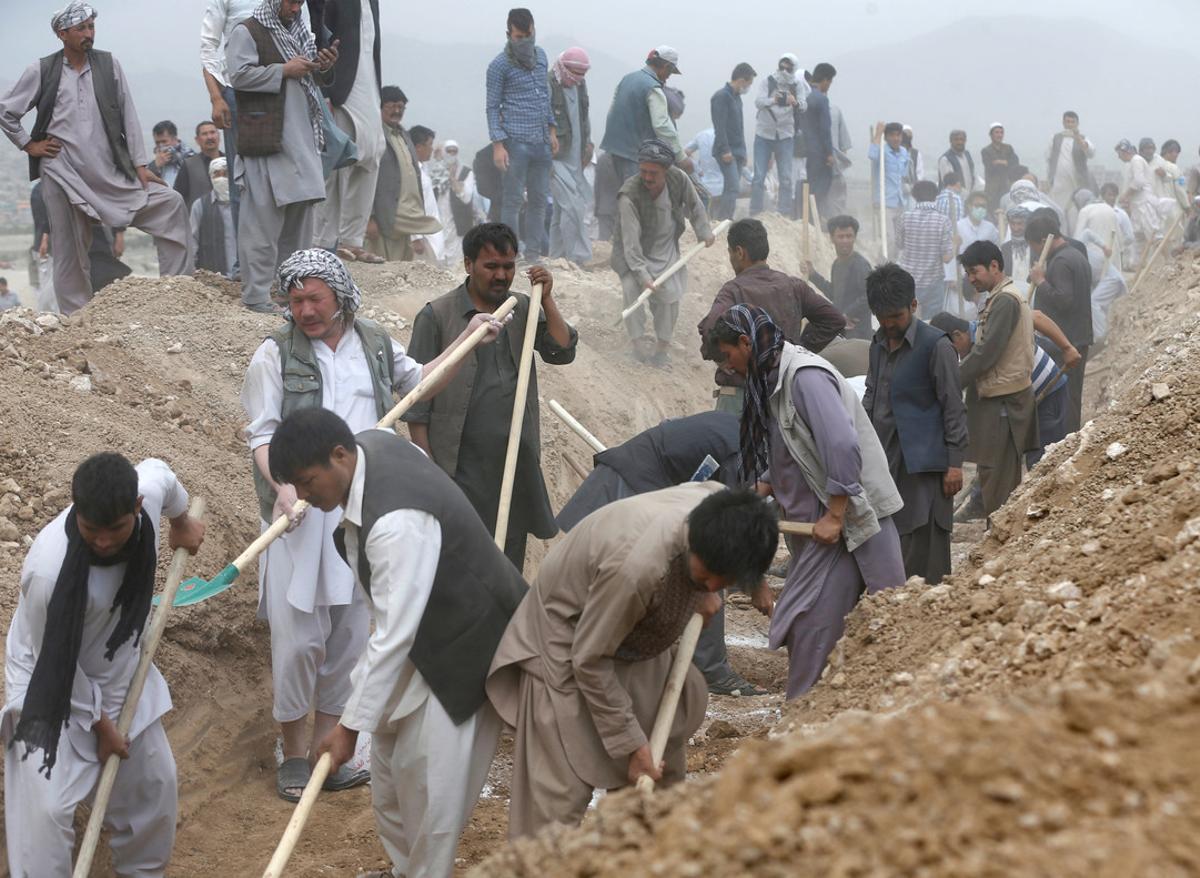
194, 590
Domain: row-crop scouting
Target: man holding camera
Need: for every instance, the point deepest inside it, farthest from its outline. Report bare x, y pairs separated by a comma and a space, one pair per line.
781, 96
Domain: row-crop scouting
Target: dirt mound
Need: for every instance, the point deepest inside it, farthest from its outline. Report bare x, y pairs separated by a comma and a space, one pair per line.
1030, 715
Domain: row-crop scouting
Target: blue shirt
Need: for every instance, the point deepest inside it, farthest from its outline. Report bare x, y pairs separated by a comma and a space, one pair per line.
896, 164
518, 100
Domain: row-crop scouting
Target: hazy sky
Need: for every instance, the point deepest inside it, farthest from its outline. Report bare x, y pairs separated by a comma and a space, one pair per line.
933, 85
153, 33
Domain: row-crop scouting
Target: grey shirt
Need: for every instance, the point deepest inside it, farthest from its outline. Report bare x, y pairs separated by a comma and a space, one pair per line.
85, 167
664, 248
293, 175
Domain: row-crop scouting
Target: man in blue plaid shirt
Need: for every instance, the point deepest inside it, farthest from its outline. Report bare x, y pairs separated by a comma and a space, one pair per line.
926, 244
521, 126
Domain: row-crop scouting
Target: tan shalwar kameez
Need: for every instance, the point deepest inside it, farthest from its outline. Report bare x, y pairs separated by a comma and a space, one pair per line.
411, 220
579, 711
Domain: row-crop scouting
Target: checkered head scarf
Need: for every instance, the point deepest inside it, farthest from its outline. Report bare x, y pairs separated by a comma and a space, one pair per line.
74, 13
292, 40
766, 343
324, 266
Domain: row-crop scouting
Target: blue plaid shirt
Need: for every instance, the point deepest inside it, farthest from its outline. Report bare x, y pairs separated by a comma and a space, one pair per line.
924, 238
518, 100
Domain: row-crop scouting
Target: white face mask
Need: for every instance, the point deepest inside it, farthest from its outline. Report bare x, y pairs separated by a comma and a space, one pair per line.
221, 188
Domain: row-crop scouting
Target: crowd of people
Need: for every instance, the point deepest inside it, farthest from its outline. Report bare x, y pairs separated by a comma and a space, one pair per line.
850, 408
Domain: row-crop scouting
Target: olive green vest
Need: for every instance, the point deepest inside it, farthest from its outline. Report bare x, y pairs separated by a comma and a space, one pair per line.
302, 383
677, 190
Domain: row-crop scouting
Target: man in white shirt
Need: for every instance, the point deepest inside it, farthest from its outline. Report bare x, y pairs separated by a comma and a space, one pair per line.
220, 18
1067, 160
1126, 255
351, 366
441, 594
1137, 196
71, 653
354, 98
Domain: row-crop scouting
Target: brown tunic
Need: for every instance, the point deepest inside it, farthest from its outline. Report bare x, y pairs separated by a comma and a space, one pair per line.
593, 589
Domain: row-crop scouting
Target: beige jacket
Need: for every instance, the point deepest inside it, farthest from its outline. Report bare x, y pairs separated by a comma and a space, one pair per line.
1012, 372
591, 590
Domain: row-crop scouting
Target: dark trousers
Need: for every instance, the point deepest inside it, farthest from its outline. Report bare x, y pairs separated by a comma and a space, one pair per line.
1052, 423
732, 173
820, 179
711, 657
1075, 389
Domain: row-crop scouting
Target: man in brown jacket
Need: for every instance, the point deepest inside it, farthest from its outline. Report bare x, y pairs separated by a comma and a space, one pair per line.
789, 301
1001, 410
465, 427
581, 668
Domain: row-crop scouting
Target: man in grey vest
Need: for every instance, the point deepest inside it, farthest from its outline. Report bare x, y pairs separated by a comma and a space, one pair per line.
639, 113
651, 209
441, 594
324, 357
465, 430
273, 66
914, 401
87, 147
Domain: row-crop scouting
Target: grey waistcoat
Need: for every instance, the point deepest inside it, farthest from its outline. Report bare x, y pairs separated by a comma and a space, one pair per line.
104, 83
879, 497
302, 387
476, 588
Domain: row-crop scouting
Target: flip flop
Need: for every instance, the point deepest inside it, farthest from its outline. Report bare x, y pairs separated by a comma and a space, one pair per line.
346, 778
346, 255
292, 774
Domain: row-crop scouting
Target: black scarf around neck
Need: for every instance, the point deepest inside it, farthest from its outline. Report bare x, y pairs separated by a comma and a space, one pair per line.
47, 706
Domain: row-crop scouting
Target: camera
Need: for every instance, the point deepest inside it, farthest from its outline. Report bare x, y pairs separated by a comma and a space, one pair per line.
781, 98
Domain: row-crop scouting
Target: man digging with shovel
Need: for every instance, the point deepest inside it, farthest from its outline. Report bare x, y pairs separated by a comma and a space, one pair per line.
70, 658
441, 593
325, 356
585, 659
808, 442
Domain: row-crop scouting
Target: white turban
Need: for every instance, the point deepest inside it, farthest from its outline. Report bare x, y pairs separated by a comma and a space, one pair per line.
75, 13
217, 165
324, 266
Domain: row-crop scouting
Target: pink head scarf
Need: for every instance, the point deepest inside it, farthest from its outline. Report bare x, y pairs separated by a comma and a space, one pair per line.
571, 66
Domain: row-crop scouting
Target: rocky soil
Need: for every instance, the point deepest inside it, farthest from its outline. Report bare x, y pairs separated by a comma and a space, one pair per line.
1029, 716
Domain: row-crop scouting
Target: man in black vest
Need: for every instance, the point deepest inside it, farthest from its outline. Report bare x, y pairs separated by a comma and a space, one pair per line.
441, 594
465, 429
193, 181
914, 401
958, 160
87, 146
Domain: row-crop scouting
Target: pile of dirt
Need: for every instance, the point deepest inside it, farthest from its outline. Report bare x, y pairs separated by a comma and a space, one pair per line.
1029, 715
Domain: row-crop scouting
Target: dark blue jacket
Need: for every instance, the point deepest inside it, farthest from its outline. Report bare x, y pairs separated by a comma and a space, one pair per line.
729, 128
817, 125
915, 406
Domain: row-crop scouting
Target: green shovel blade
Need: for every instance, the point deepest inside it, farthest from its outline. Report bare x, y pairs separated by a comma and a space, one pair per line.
194, 590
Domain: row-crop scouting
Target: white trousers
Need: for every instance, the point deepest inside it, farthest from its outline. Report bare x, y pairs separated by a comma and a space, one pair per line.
426, 776
39, 814
312, 654
349, 199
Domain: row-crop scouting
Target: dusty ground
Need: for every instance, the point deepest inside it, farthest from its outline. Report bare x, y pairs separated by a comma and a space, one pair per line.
931, 681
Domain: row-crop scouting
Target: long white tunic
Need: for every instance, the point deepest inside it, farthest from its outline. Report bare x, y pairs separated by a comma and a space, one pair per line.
319, 577
220, 18
427, 772
362, 104
85, 167
100, 685
1143, 206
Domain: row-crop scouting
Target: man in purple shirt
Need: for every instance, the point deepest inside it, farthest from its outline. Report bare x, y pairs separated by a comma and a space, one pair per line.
807, 442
